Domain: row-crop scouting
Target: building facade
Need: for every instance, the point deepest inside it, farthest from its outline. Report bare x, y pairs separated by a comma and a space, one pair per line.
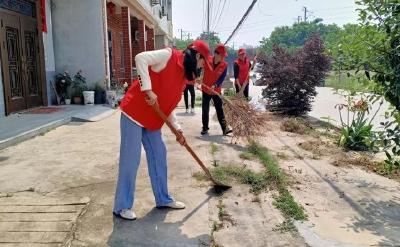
40, 38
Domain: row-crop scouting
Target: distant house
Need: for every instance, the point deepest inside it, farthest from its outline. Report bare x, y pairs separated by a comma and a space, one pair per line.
39, 38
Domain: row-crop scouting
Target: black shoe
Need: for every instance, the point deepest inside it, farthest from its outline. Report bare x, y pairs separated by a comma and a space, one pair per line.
227, 131
204, 132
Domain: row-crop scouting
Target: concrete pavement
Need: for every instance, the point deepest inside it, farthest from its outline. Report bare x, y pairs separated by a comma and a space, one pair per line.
23, 126
324, 105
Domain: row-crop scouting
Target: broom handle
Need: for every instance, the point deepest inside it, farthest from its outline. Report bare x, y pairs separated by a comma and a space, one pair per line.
213, 91
177, 134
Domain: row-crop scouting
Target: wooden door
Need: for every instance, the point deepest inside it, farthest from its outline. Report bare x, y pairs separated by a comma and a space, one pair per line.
11, 58
20, 53
30, 62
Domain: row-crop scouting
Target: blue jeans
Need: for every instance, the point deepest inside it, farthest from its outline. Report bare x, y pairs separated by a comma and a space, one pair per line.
132, 138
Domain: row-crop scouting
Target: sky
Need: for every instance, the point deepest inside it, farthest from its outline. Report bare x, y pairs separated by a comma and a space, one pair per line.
189, 15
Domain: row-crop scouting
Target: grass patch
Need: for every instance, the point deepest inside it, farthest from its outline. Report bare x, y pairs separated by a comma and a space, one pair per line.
258, 181
246, 156
282, 156
284, 201
198, 101
214, 148
349, 83
366, 161
275, 172
295, 125
288, 206
286, 226
229, 92
272, 177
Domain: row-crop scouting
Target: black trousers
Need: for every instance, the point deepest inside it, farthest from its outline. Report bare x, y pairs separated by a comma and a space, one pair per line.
189, 88
245, 92
218, 108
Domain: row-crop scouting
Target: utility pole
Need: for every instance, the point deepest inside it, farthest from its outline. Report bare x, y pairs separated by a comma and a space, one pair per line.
208, 21
298, 19
305, 13
181, 33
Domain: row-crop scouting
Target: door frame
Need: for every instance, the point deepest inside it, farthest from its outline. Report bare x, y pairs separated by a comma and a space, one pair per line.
41, 65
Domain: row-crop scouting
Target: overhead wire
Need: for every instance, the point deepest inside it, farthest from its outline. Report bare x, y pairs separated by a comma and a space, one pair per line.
246, 14
216, 12
220, 15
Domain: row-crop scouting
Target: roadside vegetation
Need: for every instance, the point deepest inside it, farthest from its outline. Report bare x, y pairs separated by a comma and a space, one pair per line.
273, 178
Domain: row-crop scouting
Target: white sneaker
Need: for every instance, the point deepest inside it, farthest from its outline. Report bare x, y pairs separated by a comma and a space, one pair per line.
192, 110
187, 110
176, 205
127, 214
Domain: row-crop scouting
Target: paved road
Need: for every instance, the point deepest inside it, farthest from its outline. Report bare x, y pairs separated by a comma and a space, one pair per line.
324, 105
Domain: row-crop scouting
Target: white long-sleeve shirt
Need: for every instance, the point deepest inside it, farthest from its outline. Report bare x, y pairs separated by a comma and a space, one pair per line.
157, 61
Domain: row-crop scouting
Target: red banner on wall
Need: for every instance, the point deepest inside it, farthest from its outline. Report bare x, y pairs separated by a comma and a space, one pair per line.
43, 15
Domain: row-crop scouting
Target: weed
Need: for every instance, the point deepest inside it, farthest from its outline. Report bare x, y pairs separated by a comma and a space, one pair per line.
295, 125
214, 148
221, 209
200, 176
317, 148
246, 156
287, 205
216, 226
282, 156
275, 173
198, 101
285, 226
258, 181
229, 92
285, 201
256, 198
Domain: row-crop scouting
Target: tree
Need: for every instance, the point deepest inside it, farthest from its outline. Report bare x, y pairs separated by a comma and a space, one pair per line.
293, 37
384, 16
182, 44
291, 78
212, 38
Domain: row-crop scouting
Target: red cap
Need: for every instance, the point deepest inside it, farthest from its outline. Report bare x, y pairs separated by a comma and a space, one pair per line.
220, 48
242, 51
201, 47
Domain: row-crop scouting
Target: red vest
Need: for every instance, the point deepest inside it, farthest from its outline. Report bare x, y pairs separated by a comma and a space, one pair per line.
189, 82
244, 69
211, 75
168, 85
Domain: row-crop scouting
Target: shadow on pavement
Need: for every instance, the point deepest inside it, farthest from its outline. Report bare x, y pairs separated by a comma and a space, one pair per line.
152, 230
221, 140
380, 217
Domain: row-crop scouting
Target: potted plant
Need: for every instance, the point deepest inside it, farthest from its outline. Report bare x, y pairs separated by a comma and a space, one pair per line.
100, 92
78, 86
63, 87
112, 92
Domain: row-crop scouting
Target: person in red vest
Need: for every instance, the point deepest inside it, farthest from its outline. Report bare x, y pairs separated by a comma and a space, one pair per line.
162, 75
241, 70
214, 75
189, 89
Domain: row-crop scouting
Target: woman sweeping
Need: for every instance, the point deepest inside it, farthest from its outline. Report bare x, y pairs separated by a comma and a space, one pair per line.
214, 76
161, 80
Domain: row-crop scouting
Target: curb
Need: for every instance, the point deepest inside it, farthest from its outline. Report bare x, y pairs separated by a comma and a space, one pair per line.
33, 133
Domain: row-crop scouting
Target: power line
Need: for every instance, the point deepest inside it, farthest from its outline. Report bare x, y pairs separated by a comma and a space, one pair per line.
220, 15
261, 12
242, 20
215, 15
